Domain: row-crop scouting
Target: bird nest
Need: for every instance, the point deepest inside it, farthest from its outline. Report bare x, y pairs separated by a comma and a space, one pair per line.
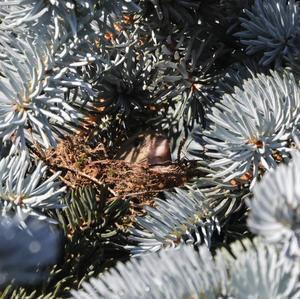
82, 165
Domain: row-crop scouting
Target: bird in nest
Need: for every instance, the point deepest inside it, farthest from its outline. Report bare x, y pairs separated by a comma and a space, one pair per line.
151, 148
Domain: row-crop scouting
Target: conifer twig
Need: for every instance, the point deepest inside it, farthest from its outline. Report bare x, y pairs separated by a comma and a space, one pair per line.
87, 177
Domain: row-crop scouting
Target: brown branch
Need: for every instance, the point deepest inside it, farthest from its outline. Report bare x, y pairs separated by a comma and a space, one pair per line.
69, 184
87, 177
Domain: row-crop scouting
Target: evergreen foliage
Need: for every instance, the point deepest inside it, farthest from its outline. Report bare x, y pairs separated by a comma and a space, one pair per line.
181, 217
275, 210
251, 129
149, 149
272, 29
27, 190
156, 276
183, 273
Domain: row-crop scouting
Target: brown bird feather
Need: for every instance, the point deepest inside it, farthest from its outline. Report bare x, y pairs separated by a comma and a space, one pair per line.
151, 148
